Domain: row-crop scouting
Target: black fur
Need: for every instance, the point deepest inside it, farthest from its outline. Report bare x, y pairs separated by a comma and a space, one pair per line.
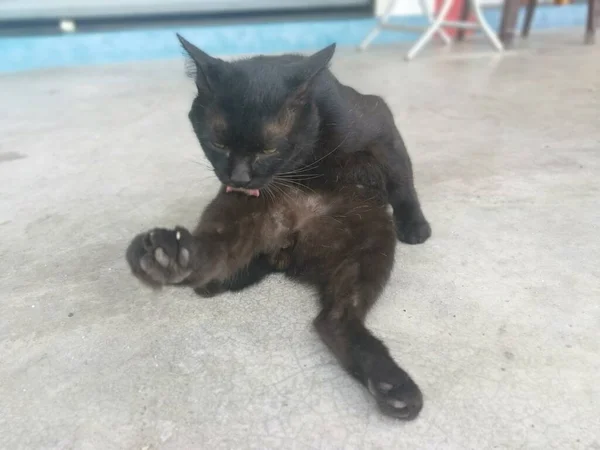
314, 165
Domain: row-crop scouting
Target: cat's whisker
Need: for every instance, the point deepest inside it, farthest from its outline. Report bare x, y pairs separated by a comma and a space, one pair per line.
299, 177
297, 171
282, 190
282, 184
196, 161
302, 181
297, 186
269, 194
296, 178
275, 188
293, 184
201, 163
314, 163
204, 179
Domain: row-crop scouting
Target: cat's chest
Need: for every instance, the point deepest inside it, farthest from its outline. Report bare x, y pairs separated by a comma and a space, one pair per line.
295, 208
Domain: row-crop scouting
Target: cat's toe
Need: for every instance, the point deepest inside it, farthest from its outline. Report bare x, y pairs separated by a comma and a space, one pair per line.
397, 397
413, 231
210, 289
160, 256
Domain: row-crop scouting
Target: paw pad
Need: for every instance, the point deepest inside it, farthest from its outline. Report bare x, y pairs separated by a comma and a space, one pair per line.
401, 400
161, 257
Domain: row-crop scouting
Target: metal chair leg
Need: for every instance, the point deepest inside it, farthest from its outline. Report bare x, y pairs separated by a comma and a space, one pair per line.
485, 27
380, 23
433, 28
440, 32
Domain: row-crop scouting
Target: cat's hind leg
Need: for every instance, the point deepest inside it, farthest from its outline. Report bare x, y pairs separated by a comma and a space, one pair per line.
352, 266
341, 326
368, 360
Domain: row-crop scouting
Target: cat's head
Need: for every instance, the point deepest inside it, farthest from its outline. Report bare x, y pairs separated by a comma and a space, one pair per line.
255, 118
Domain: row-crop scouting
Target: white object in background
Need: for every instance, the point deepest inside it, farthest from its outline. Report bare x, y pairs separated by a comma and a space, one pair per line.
67, 26
405, 8
391, 8
435, 26
412, 7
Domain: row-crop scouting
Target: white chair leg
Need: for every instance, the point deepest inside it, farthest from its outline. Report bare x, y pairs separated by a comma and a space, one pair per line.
440, 32
377, 29
433, 29
485, 27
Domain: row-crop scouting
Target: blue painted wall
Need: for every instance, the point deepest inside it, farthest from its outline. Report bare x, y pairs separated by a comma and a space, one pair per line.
23, 53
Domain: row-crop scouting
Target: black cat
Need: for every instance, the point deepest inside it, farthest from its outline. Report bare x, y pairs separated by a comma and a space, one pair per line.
308, 168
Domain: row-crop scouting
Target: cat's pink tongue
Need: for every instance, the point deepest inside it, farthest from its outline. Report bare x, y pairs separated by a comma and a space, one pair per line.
251, 192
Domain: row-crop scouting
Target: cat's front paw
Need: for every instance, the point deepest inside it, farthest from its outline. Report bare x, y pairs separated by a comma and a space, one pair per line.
396, 393
161, 256
412, 231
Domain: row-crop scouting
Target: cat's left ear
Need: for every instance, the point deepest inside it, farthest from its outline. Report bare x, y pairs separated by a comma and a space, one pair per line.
318, 62
309, 68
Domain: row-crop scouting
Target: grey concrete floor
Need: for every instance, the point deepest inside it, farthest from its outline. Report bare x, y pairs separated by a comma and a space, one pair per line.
497, 317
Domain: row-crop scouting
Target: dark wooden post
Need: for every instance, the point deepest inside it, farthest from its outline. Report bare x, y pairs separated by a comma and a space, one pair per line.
593, 18
531, 5
510, 13
464, 15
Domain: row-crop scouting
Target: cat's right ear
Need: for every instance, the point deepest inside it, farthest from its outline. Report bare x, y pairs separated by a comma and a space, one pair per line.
203, 67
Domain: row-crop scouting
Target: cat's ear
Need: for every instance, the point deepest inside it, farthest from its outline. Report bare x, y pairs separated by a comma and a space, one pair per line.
308, 69
202, 67
318, 62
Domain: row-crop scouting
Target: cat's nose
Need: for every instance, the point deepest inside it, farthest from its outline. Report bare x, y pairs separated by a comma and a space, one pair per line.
240, 176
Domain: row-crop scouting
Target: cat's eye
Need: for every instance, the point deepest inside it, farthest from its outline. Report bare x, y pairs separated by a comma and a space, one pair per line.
269, 151
219, 145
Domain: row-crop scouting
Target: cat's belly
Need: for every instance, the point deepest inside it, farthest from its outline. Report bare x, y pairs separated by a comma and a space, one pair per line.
308, 212
319, 228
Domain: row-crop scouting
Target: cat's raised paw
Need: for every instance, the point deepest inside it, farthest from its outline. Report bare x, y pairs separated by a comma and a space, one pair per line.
397, 396
412, 232
211, 289
161, 256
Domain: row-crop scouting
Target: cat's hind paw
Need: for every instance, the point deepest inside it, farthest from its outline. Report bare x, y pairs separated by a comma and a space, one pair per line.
396, 395
161, 256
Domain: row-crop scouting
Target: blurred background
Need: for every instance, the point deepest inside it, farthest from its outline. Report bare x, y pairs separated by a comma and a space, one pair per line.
496, 316
68, 32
